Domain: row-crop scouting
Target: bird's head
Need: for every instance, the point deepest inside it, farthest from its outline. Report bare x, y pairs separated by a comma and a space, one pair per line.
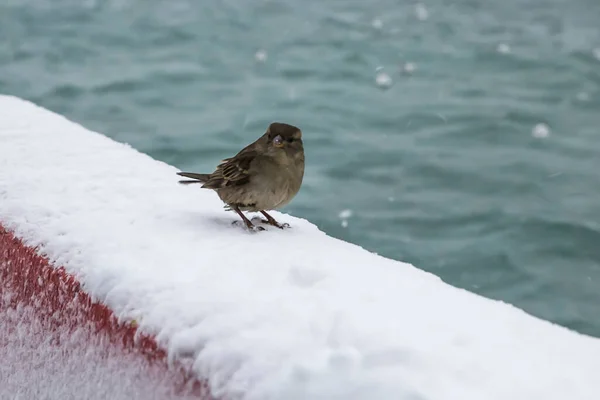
284, 139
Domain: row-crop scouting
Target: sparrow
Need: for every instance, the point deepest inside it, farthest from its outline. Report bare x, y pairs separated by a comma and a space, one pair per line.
265, 175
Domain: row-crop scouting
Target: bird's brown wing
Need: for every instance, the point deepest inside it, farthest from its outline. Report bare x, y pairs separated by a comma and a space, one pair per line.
232, 171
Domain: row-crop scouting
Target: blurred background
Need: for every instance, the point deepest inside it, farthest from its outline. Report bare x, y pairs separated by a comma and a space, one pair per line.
462, 136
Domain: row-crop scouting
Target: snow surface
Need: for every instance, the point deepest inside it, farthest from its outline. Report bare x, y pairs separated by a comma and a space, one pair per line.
280, 314
39, 364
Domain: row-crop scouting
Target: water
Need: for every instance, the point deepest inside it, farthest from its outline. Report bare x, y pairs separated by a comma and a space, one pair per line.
462, 136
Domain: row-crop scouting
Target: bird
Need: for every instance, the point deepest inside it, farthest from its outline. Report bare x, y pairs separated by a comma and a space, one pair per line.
265, 175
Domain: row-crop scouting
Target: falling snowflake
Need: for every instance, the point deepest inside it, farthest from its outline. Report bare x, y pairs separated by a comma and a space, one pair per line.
503, 48
345, 214
377, 23
383, 80
421, 11
260, 55
540, 131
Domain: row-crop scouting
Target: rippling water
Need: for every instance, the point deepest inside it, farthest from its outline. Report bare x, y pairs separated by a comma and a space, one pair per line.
462, 136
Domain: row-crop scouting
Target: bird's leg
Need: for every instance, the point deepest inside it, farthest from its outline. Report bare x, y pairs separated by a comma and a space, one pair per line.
271, 221
249, 224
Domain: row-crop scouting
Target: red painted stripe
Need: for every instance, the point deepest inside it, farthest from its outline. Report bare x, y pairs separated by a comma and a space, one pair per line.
28, 280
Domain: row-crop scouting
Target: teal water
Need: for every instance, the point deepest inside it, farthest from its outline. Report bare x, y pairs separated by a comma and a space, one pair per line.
443, 169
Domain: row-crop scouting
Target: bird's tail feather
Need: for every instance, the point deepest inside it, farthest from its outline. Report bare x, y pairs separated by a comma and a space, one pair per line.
196, 178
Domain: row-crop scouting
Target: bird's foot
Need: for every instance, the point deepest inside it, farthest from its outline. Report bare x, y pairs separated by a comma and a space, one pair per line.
251, 227
271, 221
275, 223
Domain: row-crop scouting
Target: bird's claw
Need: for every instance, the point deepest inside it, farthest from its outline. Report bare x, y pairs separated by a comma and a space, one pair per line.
251, 227
275, 223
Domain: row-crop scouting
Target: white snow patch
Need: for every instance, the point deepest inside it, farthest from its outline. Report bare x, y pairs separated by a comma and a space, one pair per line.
280, 314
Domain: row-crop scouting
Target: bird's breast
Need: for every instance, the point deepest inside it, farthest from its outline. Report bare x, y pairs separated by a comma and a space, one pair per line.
281, 186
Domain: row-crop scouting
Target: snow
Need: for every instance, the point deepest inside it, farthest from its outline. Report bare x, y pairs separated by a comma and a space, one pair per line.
383, 80
409, 67
377, 23
280, 314
345, 214
82, 367
421, 11
260, 55
540, 131
503, 48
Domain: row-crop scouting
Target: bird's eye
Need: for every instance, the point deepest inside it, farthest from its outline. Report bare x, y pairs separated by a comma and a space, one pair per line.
278, 140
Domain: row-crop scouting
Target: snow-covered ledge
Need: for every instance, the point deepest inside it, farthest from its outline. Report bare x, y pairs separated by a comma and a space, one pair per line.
281, 314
